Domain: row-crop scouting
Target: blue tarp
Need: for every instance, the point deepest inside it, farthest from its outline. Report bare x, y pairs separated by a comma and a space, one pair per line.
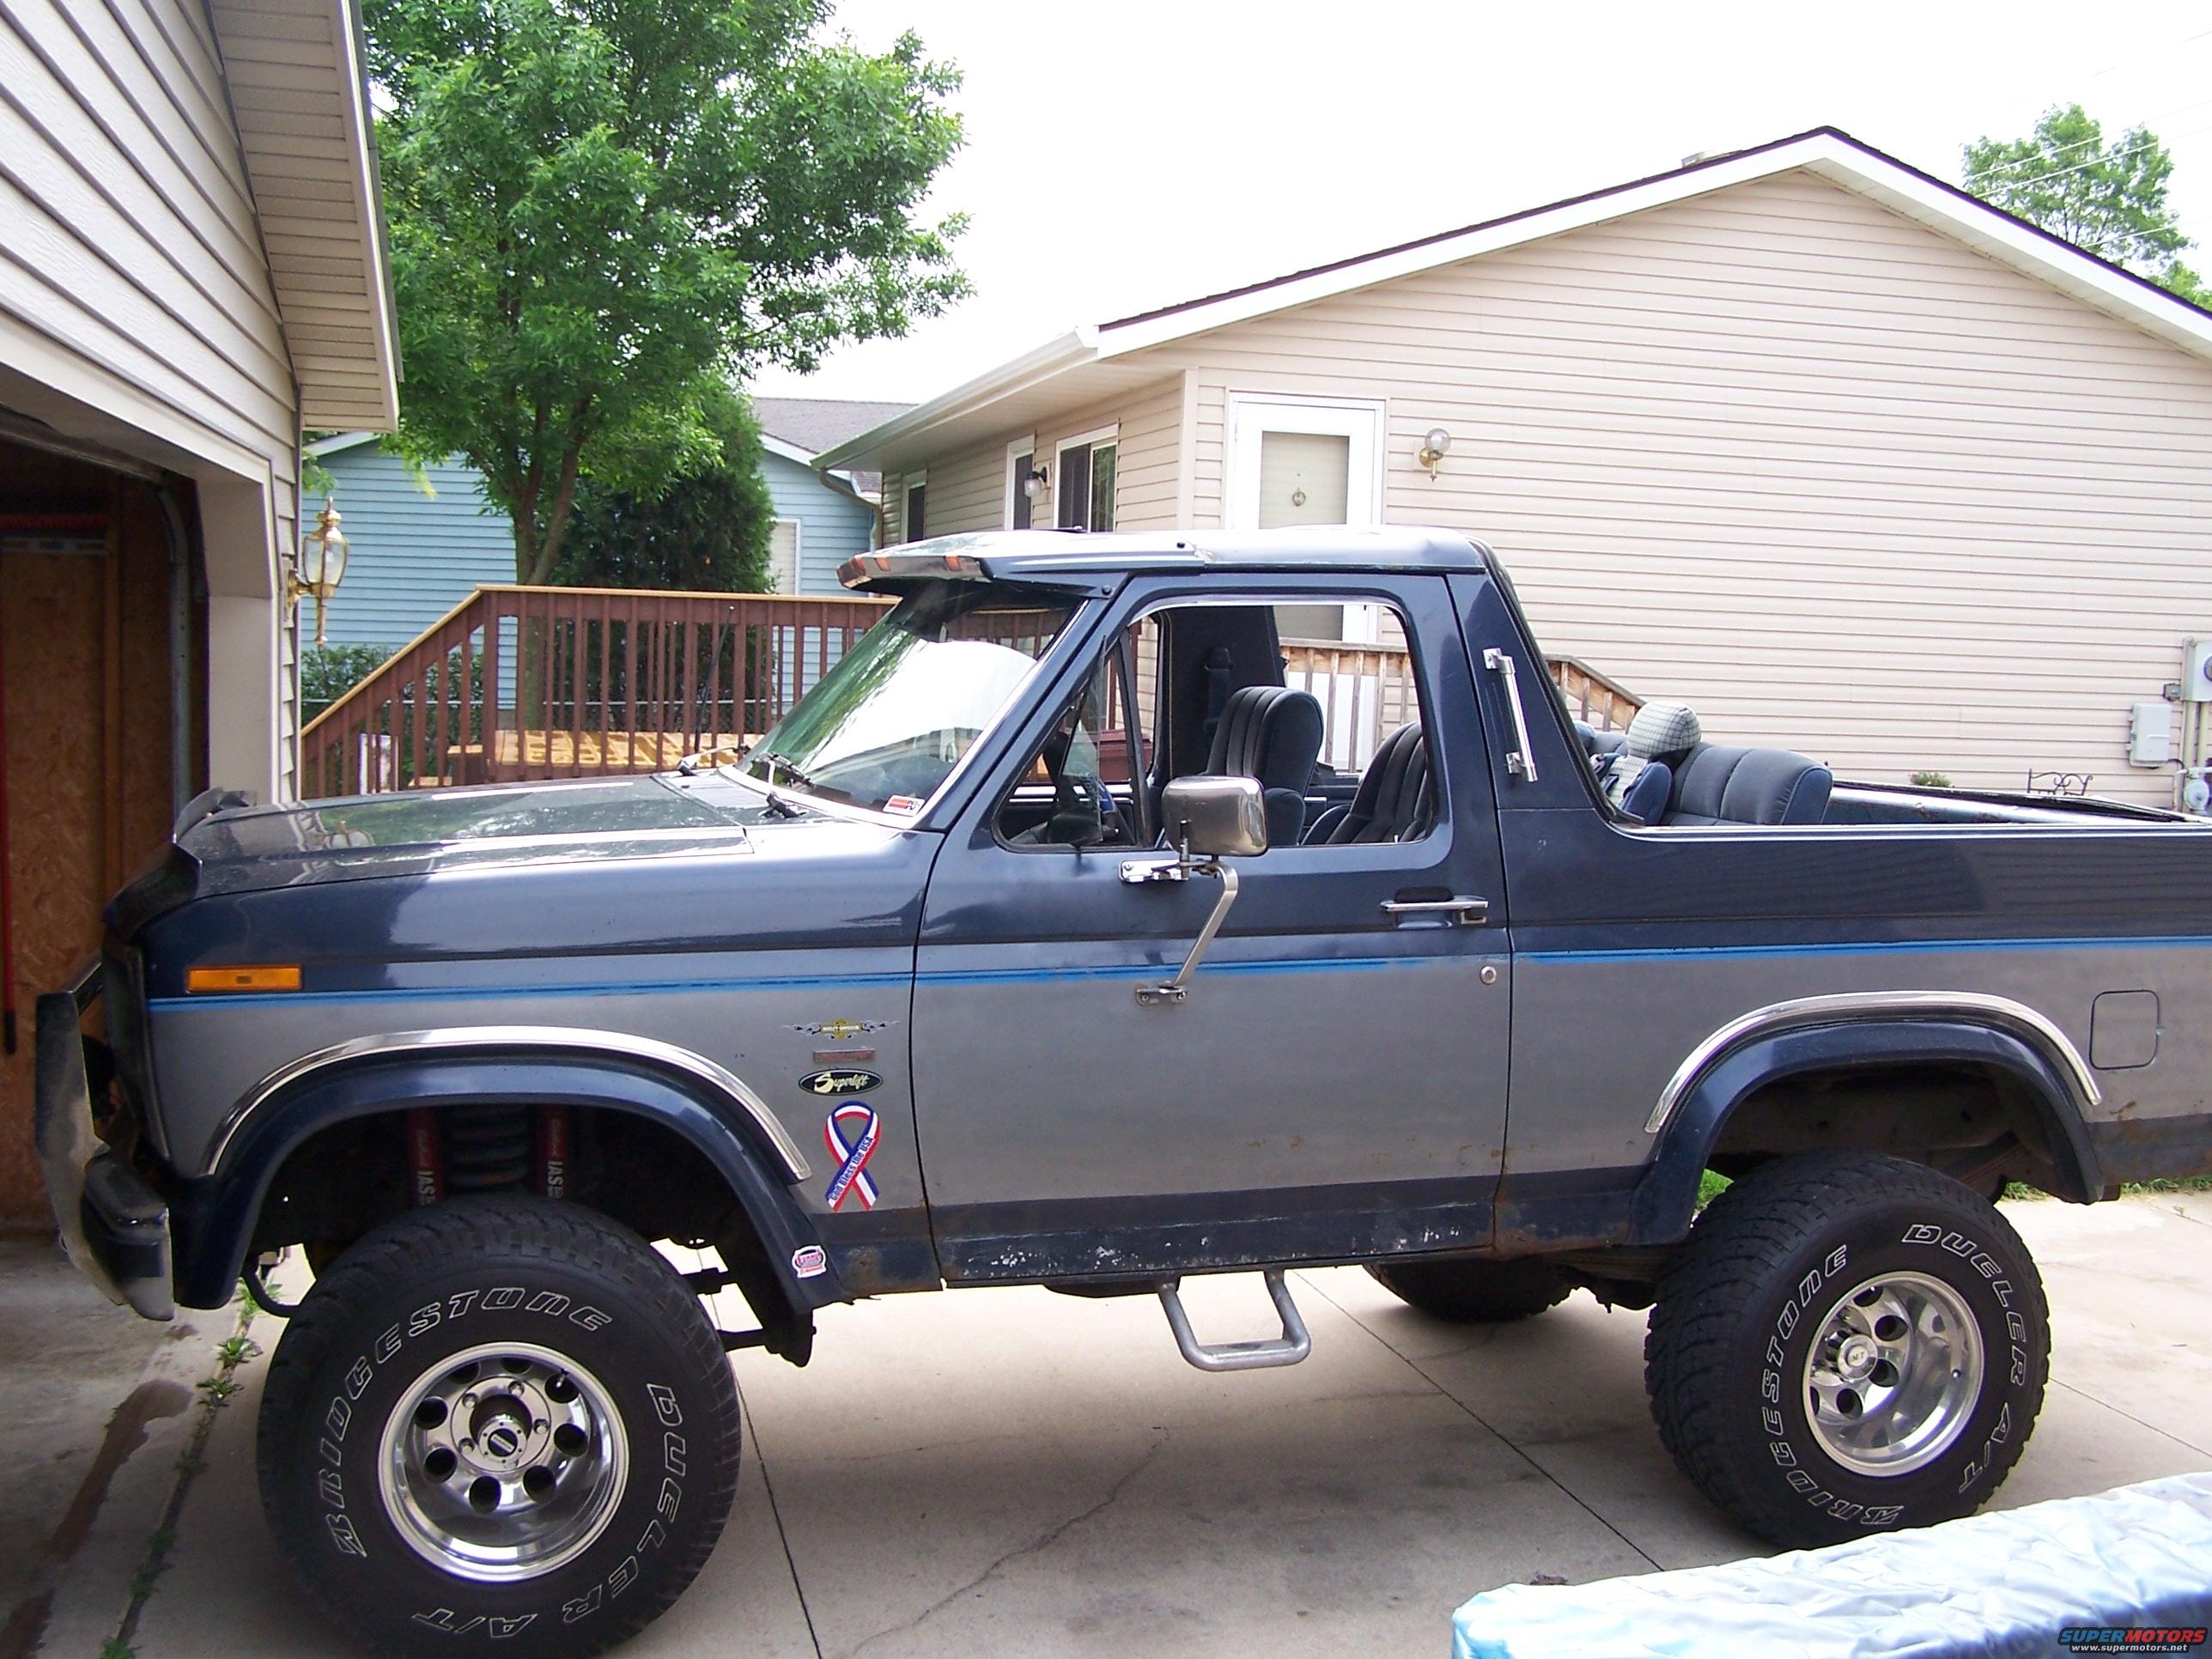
2006, 1584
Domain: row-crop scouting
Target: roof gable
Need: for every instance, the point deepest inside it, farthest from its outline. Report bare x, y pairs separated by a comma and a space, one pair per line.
1085, 353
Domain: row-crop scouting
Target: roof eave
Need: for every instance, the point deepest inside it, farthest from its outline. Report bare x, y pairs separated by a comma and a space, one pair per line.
1055, 357
361, 393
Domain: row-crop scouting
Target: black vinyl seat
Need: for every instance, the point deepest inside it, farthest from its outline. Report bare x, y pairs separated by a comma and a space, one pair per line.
1396, 799
1271, 733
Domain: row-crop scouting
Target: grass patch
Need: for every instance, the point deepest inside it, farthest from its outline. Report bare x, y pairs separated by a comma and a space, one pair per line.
2014, 1189
2193, 1184
1710, 1185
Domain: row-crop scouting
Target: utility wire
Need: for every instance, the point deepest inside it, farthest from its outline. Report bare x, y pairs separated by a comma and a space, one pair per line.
2060, 150
2084, 167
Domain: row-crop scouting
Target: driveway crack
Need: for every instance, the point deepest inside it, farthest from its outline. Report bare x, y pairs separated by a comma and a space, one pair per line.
1036, 1547
1518, 1450
775, 1514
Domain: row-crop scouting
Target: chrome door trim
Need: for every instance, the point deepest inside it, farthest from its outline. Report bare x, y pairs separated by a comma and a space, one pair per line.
573, 1039
1911, 1005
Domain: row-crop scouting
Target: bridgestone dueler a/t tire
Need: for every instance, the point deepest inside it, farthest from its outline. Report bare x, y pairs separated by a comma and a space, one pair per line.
1468, 1292
449, 1281
1737, 1312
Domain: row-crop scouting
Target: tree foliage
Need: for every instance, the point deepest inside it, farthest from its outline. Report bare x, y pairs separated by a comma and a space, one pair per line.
2108, 199
602, 212
705, 533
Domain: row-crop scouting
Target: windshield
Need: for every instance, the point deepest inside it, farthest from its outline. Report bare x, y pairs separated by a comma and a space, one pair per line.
888, 724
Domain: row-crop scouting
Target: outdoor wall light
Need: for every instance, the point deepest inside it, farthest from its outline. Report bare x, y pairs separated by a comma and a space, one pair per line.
322, 566
1033, 486
1434, 447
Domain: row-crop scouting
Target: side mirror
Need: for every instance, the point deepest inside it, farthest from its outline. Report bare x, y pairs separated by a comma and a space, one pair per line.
1207, 819
1215, 817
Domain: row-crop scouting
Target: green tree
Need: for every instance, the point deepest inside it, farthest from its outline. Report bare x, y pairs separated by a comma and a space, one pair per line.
602, 212
2108, 199
707, 531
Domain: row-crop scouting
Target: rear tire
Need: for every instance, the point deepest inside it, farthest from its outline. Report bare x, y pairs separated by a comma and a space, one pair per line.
1474, 1292
499, 1418
1848, 1343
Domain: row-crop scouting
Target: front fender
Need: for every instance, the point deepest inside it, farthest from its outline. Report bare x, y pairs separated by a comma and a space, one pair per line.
213, 1214
1667, 1196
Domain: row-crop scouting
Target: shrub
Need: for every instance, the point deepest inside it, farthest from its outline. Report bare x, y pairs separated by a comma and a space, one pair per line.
327, 672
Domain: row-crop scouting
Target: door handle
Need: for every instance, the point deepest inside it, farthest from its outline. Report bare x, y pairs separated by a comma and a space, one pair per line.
1469, 912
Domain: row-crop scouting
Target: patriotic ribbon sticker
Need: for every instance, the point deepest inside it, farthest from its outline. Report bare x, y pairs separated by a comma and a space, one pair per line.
851, 1155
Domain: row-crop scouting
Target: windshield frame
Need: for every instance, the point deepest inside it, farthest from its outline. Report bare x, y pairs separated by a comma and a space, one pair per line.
1084, 605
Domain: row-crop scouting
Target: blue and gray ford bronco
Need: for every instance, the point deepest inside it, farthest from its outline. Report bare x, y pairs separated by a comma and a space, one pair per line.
1089, 927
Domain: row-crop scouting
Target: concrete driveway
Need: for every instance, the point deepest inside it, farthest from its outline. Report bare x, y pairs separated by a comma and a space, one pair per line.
1015, 1471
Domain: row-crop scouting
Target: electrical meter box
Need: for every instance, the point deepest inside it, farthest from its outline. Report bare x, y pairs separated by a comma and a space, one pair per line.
2196, 671
2150, 733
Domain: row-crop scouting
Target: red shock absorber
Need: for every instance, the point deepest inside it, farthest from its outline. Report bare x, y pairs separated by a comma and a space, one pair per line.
426, 1163
550, 1165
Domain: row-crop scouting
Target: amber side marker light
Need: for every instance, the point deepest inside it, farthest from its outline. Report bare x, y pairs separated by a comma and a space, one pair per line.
260, 977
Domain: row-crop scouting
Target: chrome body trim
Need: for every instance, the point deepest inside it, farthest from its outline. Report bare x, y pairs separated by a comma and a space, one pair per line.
567, 1038
2018, 1017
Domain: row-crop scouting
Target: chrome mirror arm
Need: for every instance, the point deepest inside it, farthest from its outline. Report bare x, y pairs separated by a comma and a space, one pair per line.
1178, 988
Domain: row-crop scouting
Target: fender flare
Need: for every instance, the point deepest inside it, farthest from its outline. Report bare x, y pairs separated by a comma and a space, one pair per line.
1791, 1040
215, 1213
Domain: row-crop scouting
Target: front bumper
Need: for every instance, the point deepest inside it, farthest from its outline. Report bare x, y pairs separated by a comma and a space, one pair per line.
114, 1227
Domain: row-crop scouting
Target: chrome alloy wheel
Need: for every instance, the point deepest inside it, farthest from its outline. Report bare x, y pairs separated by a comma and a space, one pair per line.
502, 1462
1893, 1374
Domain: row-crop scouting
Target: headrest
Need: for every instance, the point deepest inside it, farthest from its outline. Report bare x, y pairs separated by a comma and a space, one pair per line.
1663, 728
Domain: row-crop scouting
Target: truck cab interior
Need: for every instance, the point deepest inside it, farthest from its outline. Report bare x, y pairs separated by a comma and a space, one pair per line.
1217, 689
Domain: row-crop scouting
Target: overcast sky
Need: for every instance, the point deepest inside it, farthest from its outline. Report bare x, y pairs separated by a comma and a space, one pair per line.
1124, 156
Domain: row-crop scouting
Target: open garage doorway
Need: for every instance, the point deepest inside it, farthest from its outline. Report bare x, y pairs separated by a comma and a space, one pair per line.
99, 624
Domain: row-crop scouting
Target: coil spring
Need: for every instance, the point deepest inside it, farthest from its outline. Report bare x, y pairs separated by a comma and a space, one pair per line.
486, 1147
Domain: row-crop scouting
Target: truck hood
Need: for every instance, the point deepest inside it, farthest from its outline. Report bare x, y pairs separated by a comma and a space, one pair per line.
420, 832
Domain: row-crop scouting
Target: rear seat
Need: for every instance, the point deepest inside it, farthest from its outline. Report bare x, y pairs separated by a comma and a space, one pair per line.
1718, 785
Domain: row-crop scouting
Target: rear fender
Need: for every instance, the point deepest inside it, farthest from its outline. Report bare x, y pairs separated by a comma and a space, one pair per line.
1724, 1074
215, 1214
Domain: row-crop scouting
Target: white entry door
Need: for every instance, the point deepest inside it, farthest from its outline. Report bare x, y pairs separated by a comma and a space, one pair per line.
1293, 461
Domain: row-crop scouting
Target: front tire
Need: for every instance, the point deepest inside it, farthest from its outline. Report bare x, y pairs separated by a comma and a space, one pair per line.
498, 1418
1848, 1343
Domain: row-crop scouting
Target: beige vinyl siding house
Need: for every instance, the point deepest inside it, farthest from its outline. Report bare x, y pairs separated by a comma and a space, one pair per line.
1851, 463
192, 268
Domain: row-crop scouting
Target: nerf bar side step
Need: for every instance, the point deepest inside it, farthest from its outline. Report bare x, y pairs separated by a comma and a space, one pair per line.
1294, 1345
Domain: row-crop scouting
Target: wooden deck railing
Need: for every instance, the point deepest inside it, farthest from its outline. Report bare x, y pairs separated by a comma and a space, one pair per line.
532, 683
1605, 703
535, 683
1366, 692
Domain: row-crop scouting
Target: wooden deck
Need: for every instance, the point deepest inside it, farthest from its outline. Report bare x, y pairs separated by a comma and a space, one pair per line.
535, 683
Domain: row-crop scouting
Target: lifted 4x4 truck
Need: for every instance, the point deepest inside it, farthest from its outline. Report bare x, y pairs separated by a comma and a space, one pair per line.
1043, 944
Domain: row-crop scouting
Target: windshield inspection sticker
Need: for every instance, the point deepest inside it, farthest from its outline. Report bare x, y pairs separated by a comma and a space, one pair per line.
853, 1156
906, 805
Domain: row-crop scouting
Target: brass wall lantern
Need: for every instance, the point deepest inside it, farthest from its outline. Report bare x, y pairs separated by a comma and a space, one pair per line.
322, 566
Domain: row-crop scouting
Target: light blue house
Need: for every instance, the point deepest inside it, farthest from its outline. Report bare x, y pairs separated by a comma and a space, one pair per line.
821, 520
421, 542
417, 545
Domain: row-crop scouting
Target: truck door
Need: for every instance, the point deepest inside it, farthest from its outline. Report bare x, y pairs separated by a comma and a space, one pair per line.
1334, 1085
